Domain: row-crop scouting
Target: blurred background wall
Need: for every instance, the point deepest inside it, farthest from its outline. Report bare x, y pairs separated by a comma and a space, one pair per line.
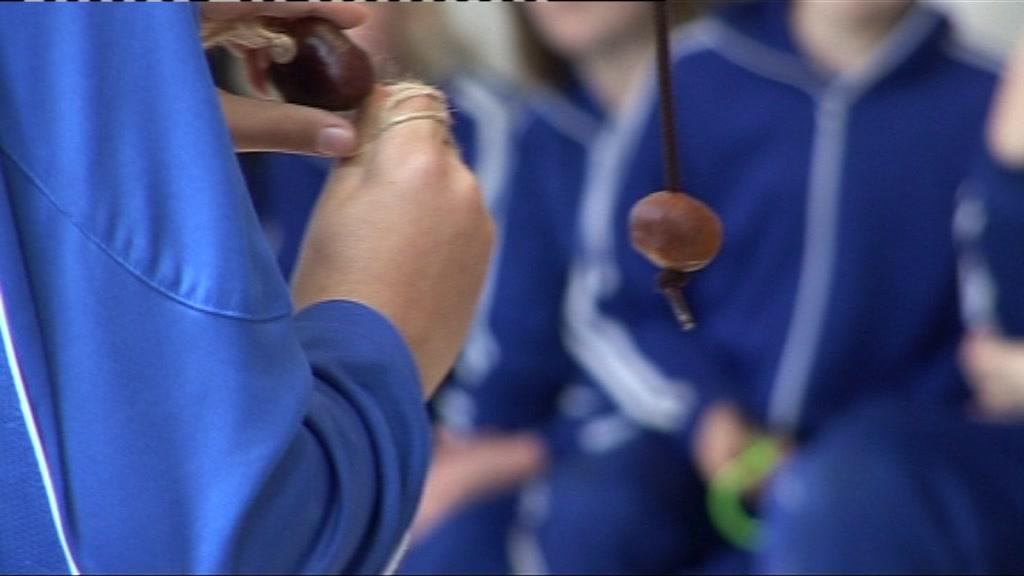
488, 29
991, 25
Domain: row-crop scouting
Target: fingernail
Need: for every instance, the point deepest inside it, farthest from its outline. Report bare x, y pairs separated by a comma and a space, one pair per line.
334, 141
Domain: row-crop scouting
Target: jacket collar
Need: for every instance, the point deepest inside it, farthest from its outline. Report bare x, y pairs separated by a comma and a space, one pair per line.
757, 36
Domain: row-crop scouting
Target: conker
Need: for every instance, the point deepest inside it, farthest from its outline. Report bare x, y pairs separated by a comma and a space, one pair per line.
329, 71
675, 231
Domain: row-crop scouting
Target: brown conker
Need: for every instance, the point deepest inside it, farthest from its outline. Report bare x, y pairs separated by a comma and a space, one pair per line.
675, 231
329, 71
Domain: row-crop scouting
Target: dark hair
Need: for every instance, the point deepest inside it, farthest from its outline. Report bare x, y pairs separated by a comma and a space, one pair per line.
543, 65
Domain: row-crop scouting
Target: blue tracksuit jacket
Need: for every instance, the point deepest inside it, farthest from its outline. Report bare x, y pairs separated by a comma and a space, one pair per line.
990, 226
903, 486
162, 409
837, 277
519, 383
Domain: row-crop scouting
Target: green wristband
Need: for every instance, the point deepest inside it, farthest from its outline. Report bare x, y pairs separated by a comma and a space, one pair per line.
725, 494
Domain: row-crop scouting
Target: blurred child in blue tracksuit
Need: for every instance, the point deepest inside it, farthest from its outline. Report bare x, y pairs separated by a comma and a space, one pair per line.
834, 164
799, 156
595, 504
514, 369
992, 215
498, 411
832, 139
833, 155
991, 223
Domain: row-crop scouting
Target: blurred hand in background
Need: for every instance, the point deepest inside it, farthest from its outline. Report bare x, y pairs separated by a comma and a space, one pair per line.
995, 369
723, 433
466, 470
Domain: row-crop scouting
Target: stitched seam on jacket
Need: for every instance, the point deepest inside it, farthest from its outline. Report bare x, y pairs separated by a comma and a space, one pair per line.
181, 299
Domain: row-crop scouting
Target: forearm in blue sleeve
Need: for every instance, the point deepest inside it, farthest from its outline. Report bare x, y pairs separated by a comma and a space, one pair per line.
1002, 191
194, 426
345, 490
359, 357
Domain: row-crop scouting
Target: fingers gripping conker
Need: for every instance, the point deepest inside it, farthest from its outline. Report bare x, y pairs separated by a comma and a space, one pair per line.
678, 234
328, 71
675, 231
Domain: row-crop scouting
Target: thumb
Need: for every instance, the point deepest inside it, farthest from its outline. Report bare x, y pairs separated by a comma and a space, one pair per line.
265, 126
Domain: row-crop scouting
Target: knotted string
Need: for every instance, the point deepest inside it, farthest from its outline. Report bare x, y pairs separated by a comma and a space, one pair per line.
251, 34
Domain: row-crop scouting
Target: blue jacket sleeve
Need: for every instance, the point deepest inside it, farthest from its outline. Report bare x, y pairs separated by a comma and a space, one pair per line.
191, 423
1001, 240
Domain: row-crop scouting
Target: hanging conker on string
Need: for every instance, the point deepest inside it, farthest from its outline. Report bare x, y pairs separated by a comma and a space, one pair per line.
680, 235
675, 231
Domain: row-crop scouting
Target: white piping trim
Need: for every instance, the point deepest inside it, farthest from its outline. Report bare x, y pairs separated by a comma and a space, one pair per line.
762, 59
813, 287
33, 433
494, 126
602, 346
523, 548
804, 335
899, 45
566, 117
769, 62
398, 555
979, 293
605, 433
457, 409
965, 53
579, 401
524, 552
606, 350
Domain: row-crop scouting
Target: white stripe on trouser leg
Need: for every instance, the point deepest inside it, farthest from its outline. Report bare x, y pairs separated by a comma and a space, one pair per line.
399, 554
33, 433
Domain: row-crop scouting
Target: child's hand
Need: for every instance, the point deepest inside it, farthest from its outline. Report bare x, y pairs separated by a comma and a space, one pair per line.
467, 470
265, 125
1006, 123
722, 434
995, 369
